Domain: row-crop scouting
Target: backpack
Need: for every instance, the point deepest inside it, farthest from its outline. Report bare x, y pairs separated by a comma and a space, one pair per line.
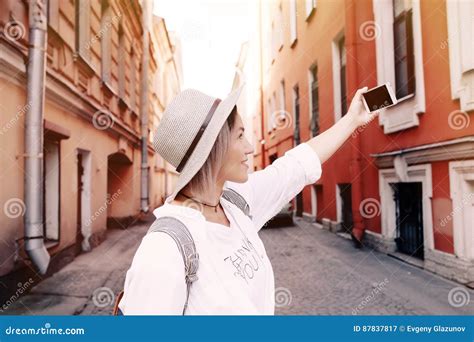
184, 240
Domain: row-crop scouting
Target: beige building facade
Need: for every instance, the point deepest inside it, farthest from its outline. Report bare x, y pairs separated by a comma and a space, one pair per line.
96, 96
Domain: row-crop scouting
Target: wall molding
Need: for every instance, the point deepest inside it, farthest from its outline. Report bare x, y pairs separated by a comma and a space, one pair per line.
417, 173
461, 148
461, 52
461, 177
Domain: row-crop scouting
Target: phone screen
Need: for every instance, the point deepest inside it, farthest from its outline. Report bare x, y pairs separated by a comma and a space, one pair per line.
378, 98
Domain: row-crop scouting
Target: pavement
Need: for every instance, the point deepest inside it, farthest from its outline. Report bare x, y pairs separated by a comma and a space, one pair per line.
316, 273
325, 275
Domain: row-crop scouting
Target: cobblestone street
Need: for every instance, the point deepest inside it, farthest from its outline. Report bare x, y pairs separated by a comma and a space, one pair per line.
326, 275
317, 273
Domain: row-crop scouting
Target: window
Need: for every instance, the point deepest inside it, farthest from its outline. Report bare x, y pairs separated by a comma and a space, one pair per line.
403, 48
405, 114
280, 21
121, 61
106, 41
342, 75
296, 106
339, 76
310, 6
82, 28
269, 115
293, 17
314, 101
282, 96
274, 119
273, 47
133, 81
461, 52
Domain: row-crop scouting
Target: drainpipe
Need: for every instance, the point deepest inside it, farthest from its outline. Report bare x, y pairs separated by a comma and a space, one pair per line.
33, 219
358, 228
146, 19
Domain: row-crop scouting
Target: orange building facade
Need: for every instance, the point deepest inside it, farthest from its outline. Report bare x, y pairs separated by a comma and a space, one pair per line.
98, 89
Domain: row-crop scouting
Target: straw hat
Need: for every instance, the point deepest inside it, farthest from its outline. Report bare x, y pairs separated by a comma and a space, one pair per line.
188, 129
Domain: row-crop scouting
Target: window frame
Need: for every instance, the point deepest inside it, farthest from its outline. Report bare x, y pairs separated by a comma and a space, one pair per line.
404, 18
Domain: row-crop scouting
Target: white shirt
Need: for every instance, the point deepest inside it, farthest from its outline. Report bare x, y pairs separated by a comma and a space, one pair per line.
235, 276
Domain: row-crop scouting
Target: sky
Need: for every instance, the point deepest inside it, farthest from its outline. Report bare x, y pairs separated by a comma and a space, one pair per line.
211, 33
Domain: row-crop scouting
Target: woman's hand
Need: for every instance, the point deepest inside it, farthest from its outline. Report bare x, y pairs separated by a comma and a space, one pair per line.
329, 141
357, 111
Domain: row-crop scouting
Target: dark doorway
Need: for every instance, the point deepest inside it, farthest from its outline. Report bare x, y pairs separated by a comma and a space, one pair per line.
409, 218
80, 189
273, 157
119, 191
345, 193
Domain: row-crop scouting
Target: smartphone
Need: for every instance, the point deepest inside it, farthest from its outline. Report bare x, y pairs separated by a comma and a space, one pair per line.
379, 97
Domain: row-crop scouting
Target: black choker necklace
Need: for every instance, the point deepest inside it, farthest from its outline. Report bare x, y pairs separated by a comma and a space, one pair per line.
207, 205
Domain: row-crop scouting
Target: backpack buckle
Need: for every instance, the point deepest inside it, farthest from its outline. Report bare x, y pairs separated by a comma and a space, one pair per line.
190, 278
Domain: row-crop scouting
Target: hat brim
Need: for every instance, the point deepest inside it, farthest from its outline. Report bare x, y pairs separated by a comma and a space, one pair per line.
205, 144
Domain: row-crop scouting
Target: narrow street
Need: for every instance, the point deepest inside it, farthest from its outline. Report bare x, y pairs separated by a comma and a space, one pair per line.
317, 273
326, 275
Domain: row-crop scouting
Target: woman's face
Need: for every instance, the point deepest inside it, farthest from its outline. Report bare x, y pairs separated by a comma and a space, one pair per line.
235, 167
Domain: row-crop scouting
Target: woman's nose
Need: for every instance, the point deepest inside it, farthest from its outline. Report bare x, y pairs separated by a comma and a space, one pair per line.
250, 149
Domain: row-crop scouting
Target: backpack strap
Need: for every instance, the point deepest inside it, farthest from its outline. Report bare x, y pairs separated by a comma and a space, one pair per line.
238, 200
184, 240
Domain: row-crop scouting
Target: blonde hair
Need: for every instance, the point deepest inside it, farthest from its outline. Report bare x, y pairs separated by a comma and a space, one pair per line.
206, 178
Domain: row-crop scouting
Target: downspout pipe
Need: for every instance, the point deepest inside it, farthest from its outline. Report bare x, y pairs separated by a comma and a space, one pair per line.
33, 195
144, 186
358, 228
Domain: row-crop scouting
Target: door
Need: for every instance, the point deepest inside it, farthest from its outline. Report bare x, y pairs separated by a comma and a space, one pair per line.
409, 218
80, 189
345, 191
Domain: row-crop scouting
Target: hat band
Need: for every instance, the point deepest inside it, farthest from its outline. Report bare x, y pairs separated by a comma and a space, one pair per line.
198, 135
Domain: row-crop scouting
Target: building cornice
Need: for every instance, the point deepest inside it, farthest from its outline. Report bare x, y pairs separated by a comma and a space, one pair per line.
460, 148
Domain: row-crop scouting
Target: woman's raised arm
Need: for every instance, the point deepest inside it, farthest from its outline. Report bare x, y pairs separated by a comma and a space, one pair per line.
329, 141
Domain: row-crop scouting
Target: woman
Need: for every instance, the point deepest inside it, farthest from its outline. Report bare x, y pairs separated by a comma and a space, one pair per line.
203, 137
